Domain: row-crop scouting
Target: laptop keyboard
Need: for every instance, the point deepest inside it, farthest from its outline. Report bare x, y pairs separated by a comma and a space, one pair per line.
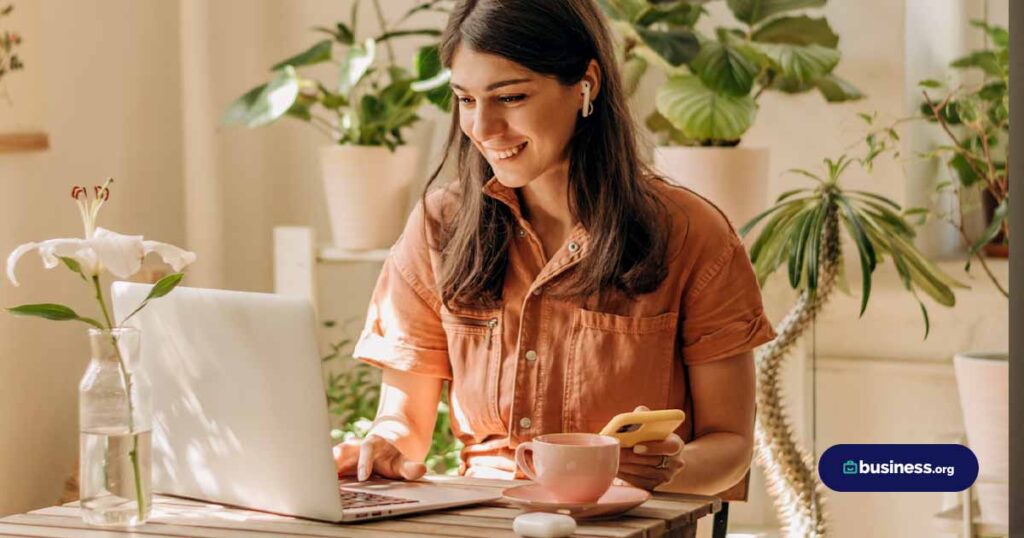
360, 499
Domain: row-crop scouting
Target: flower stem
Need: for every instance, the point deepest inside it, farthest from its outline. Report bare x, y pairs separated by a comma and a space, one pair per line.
140, 499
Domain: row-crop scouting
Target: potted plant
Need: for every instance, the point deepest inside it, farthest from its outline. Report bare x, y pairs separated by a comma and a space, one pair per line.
710, 97
368, 169
802, 232
973, 117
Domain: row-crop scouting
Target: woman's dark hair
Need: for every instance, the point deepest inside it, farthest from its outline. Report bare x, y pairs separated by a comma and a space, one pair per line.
611, 191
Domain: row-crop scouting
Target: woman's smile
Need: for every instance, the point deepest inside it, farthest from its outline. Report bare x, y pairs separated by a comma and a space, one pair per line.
506, 155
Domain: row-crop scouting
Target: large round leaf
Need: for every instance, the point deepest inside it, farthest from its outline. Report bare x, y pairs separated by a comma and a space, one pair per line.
754, 11
802, 64
802, 30
726, 68
702, 114
837, 90
677, 46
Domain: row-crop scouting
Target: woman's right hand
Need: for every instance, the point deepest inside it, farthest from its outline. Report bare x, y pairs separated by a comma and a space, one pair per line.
374, 454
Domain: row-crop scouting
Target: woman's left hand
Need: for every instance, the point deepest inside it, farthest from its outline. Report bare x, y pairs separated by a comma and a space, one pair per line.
651, 464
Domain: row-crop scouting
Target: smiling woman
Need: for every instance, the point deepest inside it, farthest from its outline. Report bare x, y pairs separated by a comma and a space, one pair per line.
557, 281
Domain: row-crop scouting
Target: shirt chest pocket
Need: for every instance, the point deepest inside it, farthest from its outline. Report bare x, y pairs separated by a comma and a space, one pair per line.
474, 350
615, 364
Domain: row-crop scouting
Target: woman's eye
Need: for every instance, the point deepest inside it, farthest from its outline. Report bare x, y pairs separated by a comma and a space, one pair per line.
511, 98
463, 100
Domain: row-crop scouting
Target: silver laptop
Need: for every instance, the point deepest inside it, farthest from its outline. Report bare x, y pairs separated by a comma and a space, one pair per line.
239, 411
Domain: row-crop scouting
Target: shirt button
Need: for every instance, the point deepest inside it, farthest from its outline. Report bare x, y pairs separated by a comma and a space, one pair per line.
531, 355
525, 423
573, 246
521, 232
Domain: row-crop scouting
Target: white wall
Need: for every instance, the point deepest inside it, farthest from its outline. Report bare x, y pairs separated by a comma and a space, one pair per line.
111, 80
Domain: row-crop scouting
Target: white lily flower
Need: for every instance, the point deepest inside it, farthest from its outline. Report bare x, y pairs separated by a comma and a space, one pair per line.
101, 249
119, 254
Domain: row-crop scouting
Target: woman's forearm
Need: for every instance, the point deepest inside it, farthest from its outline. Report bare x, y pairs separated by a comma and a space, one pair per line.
714, 462
407, 411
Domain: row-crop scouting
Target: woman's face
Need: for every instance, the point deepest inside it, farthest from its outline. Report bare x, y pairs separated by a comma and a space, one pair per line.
519, 120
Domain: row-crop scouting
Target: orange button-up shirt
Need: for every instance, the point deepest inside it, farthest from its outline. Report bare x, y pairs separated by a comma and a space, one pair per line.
539, 363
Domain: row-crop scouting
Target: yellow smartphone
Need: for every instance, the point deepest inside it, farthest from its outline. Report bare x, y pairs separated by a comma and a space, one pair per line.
643, 426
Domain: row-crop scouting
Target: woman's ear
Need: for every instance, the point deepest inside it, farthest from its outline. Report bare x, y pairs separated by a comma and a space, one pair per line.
593, 76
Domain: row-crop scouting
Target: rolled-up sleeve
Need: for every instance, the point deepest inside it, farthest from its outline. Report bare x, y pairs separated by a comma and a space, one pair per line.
403, 324
723, 314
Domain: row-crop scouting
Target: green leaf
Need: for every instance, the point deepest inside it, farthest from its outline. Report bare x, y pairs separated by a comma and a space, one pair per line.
355, 65
428, 32
876, 197
701, 114
666, 133
54, 312
273, 101
927, 321
164, 286
762, 215
802, 30
930, 83
432, 77
239, 109
161, 288
678, 12
800, 64
985, 60
864, 248
993, 91
837, 90
993, 229
319, 53
814, 245
676, 46
754, 11
726, 68
623, 10
427, 62
999, 36
798, 245
73, 264
964, 173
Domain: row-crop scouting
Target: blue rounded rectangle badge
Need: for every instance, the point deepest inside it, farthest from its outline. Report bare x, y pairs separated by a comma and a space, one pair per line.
946, 467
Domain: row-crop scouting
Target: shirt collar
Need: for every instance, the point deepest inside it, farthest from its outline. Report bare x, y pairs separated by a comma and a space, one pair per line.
495, 189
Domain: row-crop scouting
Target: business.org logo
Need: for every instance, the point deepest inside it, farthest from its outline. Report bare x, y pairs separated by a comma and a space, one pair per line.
892, 467
898, 467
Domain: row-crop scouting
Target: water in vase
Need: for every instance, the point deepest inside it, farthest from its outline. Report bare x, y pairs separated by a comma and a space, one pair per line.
111, 479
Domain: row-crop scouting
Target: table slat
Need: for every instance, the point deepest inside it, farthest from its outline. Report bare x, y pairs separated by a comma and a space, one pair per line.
664, 515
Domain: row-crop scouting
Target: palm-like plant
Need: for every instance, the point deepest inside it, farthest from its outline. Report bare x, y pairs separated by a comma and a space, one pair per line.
795, 231
802, 232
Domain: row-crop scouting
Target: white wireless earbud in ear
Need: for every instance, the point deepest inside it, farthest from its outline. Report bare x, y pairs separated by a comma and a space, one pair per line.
588, 105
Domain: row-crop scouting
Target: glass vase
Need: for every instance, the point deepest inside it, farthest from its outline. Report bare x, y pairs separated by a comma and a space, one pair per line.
115, 424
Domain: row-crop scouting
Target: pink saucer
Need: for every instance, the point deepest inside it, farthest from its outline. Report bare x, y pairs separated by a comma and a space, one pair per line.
618, 499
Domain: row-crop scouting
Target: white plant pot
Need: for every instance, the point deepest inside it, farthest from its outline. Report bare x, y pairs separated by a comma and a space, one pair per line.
983, 382
367, 191
734, 179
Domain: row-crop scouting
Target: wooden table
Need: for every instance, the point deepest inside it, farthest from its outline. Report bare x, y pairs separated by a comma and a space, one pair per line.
664, 515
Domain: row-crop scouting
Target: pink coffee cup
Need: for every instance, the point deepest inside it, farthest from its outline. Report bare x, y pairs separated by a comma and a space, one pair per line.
573, 467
